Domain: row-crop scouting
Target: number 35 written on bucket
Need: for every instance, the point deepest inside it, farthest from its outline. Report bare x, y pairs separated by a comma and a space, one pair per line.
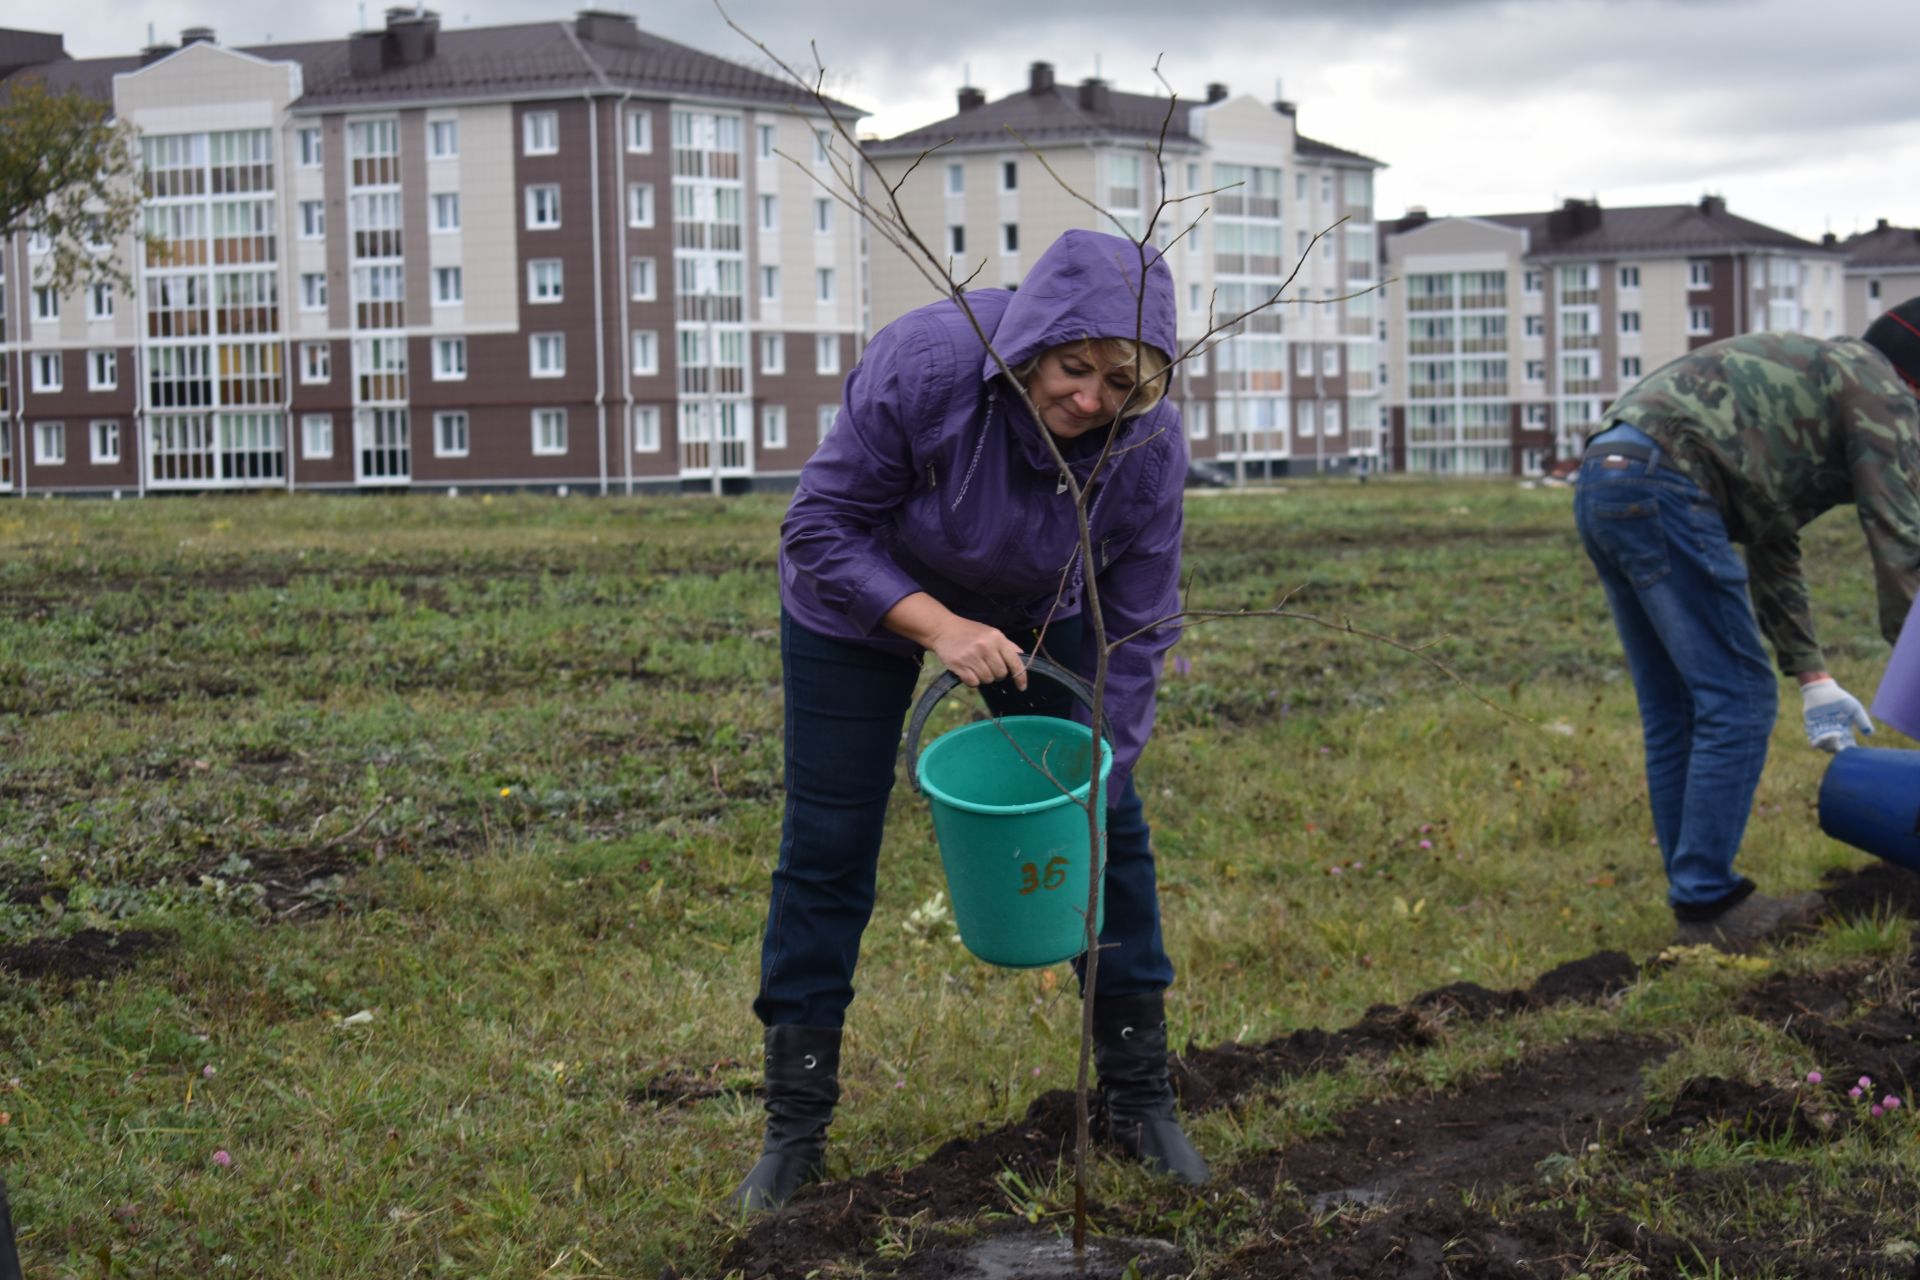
1032, 878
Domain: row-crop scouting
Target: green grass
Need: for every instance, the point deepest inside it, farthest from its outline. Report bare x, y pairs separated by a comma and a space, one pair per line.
545, 735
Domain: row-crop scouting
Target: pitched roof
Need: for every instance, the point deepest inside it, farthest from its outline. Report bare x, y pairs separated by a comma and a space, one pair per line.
525, 60
1583, 228
1076, 113
1884, 246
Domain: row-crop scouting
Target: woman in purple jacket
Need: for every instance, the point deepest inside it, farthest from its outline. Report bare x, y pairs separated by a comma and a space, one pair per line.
933, 517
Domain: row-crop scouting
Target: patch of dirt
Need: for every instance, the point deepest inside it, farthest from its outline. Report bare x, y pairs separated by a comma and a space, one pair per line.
1489, 1135
1883, 1042
680, 1087
1033, 1253
88, 954
1879, 888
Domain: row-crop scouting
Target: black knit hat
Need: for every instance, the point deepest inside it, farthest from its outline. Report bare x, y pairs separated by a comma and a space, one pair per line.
1897, 336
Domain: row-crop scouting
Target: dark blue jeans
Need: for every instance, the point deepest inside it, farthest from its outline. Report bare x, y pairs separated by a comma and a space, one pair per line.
845, 708
1707, 693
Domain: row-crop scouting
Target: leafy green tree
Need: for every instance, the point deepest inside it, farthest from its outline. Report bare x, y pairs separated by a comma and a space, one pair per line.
69, 171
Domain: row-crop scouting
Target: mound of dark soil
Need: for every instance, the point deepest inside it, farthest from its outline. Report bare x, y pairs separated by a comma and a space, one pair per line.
90, 953
1879, 888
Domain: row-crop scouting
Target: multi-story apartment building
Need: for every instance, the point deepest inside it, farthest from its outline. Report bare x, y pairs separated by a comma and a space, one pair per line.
1508, 334
1290, 388
1883, 270
558, 254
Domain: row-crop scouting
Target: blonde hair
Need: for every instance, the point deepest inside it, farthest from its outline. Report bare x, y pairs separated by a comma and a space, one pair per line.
1149, 362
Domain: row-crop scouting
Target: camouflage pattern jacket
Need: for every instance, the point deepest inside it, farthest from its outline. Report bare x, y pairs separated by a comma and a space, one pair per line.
1777, 428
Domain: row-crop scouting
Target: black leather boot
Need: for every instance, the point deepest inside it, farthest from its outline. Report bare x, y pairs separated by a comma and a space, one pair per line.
9, 1257
802, 1086
1130, 1053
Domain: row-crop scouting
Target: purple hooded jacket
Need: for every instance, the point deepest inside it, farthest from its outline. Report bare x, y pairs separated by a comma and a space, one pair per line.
934, 478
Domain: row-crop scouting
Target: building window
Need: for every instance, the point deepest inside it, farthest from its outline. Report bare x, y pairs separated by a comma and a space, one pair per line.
316, 436
1629, 277
449, 288
1699, 275
773, 426
1303, 358
103, 370
103, 441
773, 353
1326, 188
824, 419
1699, 320
823, 284
1330, 417
822, 215
646, 428
646, 353
1873, 290
1534, 326
640, 280
1536, 416
1300, 187
100, 302
1009, 237
770, 283
822, 146
1629, 367
449, 359
1530, 282
543, 280
543, 207
450, 437
956, 179
443, 139
548, 352
765, 134
549, 432
446, 211
47, 374
826, 353
50, 443
313, 291
46, 303
310, 146
313, 220
769, 213
1535, 370
1330, 360
540, 132
640, 132
316, 362
640, 204
1009, 175
1198, 415
956, 240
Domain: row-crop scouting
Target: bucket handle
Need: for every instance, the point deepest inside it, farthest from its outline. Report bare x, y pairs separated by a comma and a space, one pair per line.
947, 682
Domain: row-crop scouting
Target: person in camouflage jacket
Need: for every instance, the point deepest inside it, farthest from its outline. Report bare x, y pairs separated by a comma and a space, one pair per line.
1745, 440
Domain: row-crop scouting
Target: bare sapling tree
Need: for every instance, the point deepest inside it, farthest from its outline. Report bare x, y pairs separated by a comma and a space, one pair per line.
855, 181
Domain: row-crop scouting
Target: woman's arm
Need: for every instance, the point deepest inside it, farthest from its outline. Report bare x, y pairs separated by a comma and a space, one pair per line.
977, 653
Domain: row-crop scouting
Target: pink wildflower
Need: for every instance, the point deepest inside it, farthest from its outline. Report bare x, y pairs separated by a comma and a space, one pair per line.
1877, 1109
1891, 1102
1854, 1092
206, 1072
1814, 1077
222, 1158
1866, 1082
1335, 871
1426, 844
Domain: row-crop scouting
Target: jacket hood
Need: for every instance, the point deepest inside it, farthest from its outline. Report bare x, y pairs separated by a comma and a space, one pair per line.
1087, 285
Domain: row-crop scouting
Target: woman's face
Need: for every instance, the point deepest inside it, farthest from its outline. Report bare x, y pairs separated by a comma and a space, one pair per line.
1077, 391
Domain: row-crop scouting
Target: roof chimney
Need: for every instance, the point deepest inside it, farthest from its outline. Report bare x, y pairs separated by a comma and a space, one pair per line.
412, 36
1828, 239
603, 26
366, 53
197, 35
1216, 92
1040, 78
1880, 224
1713, 206
1285, 108
1574, 217
1095, 95
154, 52
1416, 215
971, 97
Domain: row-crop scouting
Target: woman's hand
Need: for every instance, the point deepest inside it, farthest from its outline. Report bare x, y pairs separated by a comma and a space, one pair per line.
977, 653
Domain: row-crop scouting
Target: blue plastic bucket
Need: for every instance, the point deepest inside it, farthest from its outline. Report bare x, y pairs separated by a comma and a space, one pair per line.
1870, 799
1008, 799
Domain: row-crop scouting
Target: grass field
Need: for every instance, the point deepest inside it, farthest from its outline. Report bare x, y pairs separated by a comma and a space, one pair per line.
434, 831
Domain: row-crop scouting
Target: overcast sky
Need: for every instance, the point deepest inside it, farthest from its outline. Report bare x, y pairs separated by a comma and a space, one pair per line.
1804, 114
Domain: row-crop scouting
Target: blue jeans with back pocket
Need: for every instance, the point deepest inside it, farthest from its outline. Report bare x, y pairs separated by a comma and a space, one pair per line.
1678, 591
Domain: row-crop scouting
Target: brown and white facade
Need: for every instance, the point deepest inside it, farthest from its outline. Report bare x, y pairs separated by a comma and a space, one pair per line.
558, 254
1507, 335
1883, 270
1293, 388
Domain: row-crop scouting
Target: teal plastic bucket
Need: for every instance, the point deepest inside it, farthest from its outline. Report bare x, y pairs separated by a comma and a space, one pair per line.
1870, 799
1013, 840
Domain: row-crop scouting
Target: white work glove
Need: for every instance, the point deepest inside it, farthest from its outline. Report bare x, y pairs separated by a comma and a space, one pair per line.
1832, 714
